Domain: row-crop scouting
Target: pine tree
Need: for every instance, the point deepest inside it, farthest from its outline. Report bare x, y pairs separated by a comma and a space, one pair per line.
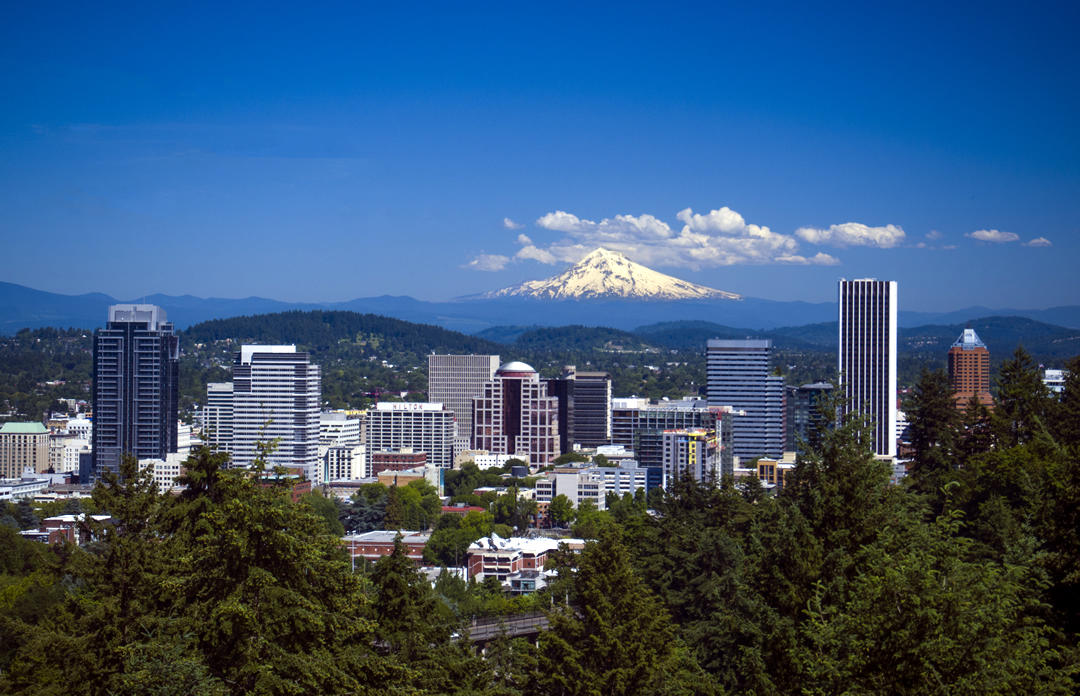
613, 637
1022, 400
934, 419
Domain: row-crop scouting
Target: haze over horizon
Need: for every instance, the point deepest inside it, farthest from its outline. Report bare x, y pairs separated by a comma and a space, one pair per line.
326, 154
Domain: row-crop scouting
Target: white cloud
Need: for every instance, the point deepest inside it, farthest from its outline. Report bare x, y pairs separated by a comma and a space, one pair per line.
1039, 242
721, 237
995, 236
933, 234
488, 262
511, 225
818, 259
536, 254
853, 234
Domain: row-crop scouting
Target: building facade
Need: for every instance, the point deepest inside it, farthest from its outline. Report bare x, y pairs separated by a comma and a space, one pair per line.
453, 381
866, 358
969, 370
418, 427
691, 451
216, 417
804, 413
136, 386
639, 426
514, 415
276, 398
737, 374
23, 446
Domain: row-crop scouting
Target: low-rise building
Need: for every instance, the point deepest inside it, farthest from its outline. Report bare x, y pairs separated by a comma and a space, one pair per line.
344, 462
773, 473
375, 544
500, 558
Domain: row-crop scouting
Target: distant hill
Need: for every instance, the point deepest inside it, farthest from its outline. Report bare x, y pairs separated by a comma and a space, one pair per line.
320, 331
22, 307
1001, 335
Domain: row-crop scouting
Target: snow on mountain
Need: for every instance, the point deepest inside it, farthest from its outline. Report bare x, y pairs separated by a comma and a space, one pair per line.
605, 274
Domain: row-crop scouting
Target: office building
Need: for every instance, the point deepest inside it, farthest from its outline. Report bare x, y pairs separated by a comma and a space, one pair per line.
969, 370
514, 415
691, 451
639, 425
345, 462
276, 397
737, 374
339, 428
1054, 381
867, 356
417, 427
584, 407
562, 390
804, 414
23, 447
453, 381
136, 390
216, 417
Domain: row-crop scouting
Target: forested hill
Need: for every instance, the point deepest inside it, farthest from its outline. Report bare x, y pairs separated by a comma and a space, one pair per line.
1045, 342
319, 331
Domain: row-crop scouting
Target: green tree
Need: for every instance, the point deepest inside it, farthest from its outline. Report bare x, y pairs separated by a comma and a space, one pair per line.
561, 511
614, 637
1066, 413
1022, 400
933, 421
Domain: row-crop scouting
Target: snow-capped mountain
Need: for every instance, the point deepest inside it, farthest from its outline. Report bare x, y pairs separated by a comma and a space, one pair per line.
605, 274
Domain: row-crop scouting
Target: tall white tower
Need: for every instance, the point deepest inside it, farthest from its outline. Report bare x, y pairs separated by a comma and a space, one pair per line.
276, 396
867, 356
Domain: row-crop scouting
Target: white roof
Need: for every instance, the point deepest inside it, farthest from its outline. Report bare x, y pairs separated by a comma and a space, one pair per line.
524, 544
247, 351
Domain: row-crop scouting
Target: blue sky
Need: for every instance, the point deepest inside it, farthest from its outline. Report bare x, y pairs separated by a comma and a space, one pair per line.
326, 152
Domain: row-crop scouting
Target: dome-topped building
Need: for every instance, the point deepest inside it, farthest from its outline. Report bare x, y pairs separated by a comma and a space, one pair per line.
515, 415
515, 368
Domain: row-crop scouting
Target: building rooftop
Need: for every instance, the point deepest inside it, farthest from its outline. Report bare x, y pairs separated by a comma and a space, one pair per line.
514, 366
387, 536
523, 544
969, 340
23, 429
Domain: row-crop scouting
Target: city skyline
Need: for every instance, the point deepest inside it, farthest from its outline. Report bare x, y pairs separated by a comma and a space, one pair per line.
481, 148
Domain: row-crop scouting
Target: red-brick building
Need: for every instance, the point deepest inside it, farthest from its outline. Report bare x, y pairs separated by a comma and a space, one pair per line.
969, 370
376, 544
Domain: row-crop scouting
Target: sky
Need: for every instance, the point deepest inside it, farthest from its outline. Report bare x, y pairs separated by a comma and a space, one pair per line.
325, 152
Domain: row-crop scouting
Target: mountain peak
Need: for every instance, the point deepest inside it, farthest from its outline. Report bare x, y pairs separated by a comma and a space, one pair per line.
607, 274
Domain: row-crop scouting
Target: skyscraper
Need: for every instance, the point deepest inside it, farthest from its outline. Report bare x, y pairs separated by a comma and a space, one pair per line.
969, 370
867, 356
276, 396
514, 415
136, 386
737, 374
216, 418
584, 407
453, 381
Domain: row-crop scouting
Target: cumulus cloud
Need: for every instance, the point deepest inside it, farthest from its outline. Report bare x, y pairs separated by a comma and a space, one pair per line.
818, 259
721, 237
995, 236
1039, 242
853, 234
488, 262
511, 225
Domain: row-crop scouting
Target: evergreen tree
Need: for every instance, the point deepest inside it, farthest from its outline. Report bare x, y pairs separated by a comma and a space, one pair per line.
614, 637
1022, 400
933, 421
1066, 413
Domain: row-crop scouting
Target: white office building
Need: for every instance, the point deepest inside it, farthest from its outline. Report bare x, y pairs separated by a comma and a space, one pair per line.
453, 380
276, 397
423, 427
866, 358
216, 417
338, 428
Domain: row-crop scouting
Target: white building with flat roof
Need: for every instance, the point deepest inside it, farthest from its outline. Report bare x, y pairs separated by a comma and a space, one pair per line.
277, 394
866, 358
420, 426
